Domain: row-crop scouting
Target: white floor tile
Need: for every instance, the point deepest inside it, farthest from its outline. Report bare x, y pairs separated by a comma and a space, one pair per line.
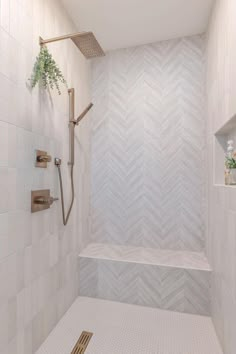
129, 329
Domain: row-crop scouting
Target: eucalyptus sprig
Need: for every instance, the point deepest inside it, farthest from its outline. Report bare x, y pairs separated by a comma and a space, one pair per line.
46, 72
230, 162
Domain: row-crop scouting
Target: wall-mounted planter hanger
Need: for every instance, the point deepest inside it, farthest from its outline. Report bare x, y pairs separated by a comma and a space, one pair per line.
85, 42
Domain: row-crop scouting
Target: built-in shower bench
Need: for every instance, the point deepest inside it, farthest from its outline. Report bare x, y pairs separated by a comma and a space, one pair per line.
167, 279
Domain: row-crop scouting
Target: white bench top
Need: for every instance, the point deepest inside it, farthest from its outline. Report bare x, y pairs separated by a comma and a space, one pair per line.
168, 258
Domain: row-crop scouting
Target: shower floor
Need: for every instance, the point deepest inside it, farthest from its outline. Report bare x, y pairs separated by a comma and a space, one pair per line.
130, 329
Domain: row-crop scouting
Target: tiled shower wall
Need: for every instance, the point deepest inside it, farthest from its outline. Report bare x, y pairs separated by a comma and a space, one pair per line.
221, 89
38, 268
148, 146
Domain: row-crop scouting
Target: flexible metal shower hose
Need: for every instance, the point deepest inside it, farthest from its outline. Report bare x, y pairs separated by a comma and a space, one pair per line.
66, 217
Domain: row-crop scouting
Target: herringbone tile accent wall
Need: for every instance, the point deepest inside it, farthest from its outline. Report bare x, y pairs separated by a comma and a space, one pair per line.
169, 288
148, 146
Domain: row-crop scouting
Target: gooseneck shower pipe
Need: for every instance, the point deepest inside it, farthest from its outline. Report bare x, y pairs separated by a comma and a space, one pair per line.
72, 123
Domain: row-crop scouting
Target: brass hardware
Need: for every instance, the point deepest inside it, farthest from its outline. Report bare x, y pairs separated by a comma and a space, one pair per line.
82, 343
41, 200
57, 161
45, 201
72, 123
85, 41
71, 93
42, 158
83, 114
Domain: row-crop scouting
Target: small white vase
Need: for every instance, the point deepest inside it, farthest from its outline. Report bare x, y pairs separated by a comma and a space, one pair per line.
232, 176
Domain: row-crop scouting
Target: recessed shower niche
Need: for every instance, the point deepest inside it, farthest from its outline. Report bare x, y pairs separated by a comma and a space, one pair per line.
226, 133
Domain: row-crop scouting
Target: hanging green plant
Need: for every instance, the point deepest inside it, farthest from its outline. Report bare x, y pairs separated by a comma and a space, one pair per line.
46, 72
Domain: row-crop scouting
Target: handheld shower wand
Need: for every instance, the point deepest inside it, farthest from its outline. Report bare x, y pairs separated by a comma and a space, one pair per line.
72, 123
83, 114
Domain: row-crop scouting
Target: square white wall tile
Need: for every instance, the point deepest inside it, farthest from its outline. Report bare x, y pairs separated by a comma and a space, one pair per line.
5, 14
3, 144
4, 189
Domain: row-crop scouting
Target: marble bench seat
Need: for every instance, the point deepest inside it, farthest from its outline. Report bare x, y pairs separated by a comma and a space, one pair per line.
169, 258
167, 279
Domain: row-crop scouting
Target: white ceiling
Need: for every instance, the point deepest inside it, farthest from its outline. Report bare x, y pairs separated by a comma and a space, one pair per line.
125, 23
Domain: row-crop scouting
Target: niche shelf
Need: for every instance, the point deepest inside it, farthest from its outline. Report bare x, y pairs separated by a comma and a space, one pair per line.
222, 135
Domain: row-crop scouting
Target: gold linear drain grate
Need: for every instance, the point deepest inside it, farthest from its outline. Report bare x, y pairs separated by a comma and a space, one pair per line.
82, 343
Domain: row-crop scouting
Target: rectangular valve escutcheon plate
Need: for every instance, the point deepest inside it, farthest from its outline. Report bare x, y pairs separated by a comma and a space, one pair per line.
45, 158
35, 195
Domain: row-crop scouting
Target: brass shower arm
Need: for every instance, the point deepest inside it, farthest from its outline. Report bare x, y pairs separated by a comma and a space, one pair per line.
62, 38
84, 41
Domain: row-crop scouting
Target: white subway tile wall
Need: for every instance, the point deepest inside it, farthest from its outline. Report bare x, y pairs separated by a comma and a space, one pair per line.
38, 255
221, 243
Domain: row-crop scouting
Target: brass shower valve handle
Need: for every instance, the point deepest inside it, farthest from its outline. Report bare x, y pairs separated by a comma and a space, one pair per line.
42, 158
41, 200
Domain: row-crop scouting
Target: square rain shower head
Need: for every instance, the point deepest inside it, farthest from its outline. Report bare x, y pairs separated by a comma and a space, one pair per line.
88, 45
84, 41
